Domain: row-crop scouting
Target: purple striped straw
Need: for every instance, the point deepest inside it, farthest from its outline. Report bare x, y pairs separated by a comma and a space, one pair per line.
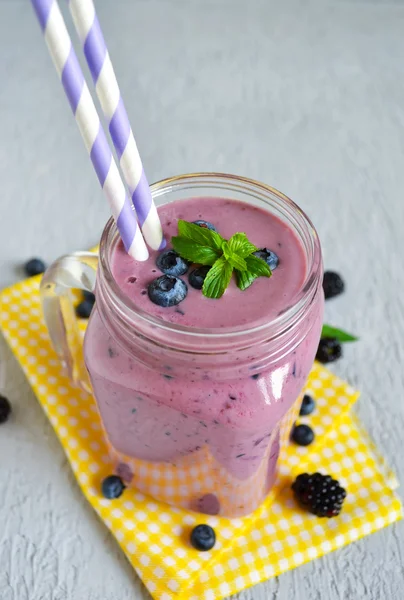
109, 95
64, 57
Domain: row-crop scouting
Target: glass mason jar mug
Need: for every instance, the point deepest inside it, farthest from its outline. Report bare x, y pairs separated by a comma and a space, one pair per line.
158, 385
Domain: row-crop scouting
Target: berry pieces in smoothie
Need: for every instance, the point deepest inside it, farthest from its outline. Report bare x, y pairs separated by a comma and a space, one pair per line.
270, 257
205, 224
320, 494
35, 266
170, 263
203, 537
208, 504
167, 290
197, 277
329, 349
112, 487
333, 284
308, 405
303, 435
5, 409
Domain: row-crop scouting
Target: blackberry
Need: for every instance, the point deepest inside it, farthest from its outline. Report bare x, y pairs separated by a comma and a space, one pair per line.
333, 284
329, 349
320, 494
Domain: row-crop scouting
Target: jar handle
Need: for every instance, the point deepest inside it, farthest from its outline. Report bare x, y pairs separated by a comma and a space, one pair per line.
74, 271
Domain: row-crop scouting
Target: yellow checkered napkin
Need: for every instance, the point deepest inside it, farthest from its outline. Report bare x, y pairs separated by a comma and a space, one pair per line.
154, 536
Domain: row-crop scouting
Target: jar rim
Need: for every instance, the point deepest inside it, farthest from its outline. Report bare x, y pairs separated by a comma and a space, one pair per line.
263, 192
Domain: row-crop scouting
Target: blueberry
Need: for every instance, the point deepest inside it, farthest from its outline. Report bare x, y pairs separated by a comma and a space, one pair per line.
203, 537
333, 284
112, 487
170, 263
205, 224
197, 277
270, 257
308, 405
88, 296
35, 266
167, 290
5, 409
329, 349
83, 310
303, 435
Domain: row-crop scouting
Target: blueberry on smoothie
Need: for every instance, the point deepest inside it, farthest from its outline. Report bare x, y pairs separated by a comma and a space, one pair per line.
203, 537
170, 263
197, 277
167, 290
112, 487
205, 224
270, 257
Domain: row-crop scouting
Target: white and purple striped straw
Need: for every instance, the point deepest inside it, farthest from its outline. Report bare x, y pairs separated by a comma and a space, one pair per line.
64, 57
109, 95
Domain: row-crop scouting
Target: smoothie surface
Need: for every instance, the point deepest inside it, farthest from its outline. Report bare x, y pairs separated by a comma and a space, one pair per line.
262, 301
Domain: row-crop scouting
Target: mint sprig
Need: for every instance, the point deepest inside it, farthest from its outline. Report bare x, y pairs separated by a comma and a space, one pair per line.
206, 247
338, 334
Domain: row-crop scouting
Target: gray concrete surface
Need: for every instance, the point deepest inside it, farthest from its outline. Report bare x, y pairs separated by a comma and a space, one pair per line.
307, 96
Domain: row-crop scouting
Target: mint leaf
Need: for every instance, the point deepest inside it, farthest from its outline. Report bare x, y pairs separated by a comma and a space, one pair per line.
205, 247
217, 279
194, 252
256, 267
236, 261
200, 235
338, 334
240, 244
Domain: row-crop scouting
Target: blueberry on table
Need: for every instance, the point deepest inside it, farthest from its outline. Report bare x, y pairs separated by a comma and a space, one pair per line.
112, 487
269, 256
5, 409
89, 296
83, 310
35, 266
203, 537
167, 290
171, 263
308, 405
329, 349
303, 435
320, 494
333, 284
197, 277
205, 224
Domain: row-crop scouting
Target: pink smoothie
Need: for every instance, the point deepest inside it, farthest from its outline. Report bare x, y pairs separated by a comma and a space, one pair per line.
264, 300
200, 436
